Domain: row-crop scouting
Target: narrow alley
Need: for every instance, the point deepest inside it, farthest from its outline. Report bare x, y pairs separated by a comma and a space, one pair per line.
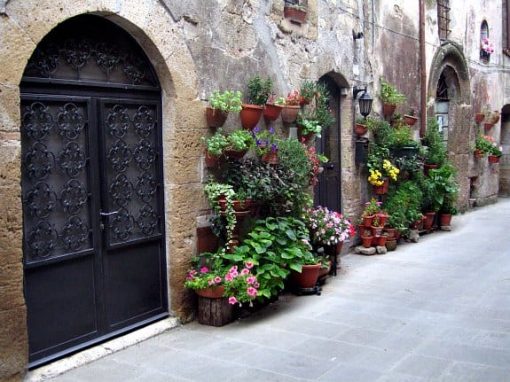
434, 311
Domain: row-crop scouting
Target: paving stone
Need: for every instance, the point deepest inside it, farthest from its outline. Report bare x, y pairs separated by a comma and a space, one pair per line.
468, 372
381, 250
365, 251
423, 367
347, 373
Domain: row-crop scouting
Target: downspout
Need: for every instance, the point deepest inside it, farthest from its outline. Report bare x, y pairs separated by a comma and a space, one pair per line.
423, 72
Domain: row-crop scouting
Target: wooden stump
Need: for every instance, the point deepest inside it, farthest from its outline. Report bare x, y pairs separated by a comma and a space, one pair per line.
214, 311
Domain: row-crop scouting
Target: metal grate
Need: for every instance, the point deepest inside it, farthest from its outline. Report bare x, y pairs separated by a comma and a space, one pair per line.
443, 18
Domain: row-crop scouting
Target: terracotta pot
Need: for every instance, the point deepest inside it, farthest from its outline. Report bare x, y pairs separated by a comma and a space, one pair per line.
376, 231
234, 154
493, 159
478, 154
388, 109
367, 221
304, 138
487, 126
390, 232
381, 240
250, 115
270, 157
391, 245
429, 166
211, 161
381, 190
367, 241
215, 118
308, 276
295, 15
429, 221
364, 231
212, 292
360, 129
479, 117
272, 112
238, 205
382, 217
410, 120
325, 271
445, 219
289, 113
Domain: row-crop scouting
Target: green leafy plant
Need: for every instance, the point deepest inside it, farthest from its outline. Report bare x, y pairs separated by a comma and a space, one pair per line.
403, 205
402, 137
226, 101
309, 125
307, 91
444, 186
239, 140
275, 246
216, 144
215, 191
259, 90
373, 207
389, 94
436, 151
294, 158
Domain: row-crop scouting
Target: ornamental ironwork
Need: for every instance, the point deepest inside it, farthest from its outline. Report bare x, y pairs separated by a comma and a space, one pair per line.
143, 121
71, 160
76, 52
147, 220
73, 196
42, 239
37, 121
44, 61
74, 234
38, 162
144, 155
107, 56
122, 225
117, 121
40, 200
119, 156
70, 121
134, 69
121, 190
146, 187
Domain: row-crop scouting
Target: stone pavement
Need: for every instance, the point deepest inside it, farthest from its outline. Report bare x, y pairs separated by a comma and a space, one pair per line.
438, 310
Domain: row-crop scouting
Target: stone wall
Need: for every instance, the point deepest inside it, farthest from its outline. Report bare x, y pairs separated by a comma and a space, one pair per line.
197, 47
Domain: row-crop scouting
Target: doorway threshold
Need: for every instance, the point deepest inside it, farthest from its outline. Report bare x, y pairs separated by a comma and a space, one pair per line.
53, 369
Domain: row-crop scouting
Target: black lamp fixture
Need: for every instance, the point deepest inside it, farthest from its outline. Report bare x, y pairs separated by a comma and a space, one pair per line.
365, 101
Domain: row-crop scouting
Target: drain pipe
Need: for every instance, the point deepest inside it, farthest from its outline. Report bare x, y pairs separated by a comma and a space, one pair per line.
423, 72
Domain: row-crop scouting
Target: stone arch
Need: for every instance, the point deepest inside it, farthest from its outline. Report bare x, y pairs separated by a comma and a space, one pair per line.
23, 28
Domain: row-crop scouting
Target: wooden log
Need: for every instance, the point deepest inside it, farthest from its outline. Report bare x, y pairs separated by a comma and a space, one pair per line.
214, 311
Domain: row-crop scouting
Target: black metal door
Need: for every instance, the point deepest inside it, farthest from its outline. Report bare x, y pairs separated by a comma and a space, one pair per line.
92, 192
327, 193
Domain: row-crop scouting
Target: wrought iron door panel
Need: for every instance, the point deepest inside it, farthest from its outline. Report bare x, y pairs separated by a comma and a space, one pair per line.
57, 223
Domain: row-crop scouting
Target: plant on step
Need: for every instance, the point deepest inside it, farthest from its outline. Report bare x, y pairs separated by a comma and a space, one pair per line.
275, 246
435, 148
389, 94
259, 90
372, 208
216, 144
227, 101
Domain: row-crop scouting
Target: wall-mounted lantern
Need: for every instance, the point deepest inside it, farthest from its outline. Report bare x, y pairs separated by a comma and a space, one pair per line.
365, 101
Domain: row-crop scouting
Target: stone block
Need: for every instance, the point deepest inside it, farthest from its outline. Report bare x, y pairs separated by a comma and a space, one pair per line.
414, 235
360, 250
13, 343
381, 250
9, 108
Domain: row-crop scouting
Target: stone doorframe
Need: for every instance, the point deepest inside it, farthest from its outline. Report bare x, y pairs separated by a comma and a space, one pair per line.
23, 26
449, 59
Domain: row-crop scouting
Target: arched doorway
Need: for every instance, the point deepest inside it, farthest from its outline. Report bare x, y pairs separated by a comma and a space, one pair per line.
328, 191
504, 163
92, 189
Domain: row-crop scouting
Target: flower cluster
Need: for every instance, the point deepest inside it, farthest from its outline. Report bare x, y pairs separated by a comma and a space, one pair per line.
487, 46
315, 163
391, 170
372, 207
240, 286
375, 177
487, 145
265, 140
329, 227
293, 98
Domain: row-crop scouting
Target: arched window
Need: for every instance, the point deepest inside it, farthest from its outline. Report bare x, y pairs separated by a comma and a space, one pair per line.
443, 18
442, 106
486, 46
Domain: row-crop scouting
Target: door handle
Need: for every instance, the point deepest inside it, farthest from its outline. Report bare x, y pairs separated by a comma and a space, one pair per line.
108, 213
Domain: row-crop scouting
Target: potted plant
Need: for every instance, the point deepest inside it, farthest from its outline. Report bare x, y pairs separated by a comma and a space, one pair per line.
266, 145
360, 127
273, 108
238, 143
410, 119
491, 118
479, 117
376, 177
221, 104
448, 210
484, 145
307, 128
291, 109
215, 146
259, 91
372, 208
495, 153
435, 151
390, 97
294, 12
307, 92
402, 144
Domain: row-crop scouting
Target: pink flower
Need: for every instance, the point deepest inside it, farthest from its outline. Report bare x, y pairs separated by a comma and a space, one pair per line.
217, 279
249, 264
256, 284
210, 282
245, 271
234, 274
233, 269
232, 300
252, 292
229, 277
251, 280
204, 270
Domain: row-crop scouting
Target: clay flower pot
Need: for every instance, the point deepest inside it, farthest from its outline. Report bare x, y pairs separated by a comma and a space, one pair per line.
289, 113
211, 161
381, 190
445, 220
272, 112
308, 276
212, 292
381, 240
478, 154
391, 245
270, 157
388, 109
367, 241
250, 115
429, 221
493, 159
376, 231
479, 117
235, 154
390, 232
305, 138
410, 120
294, 14
429, 166
367, 221
382, 218
215, 118
360, 129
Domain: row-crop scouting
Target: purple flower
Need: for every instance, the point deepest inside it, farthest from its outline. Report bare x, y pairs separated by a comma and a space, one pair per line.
256, 130
271, 130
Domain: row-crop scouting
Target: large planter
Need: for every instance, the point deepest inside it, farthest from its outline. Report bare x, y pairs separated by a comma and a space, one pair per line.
391, 244
215, 118
289, 113
324, 271
410, 120
250, 115
272, 112
493, 159
360, 129
445, 220
308, 276
429, 220
214, 311
381, 190
388, 109
295, 14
